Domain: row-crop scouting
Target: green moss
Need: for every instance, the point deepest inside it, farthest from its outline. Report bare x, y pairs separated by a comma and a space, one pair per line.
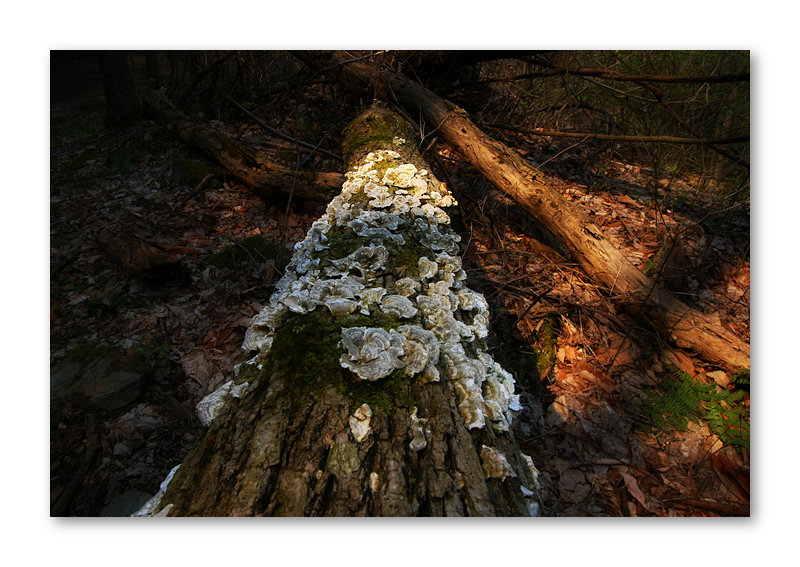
375, 319
381, 166
404, 260
376, 129
342, 241
547, 345
386, 394
362, 137
307, 349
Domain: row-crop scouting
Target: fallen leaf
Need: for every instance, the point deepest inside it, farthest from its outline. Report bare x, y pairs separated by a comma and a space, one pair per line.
198, 367
573, 486
720, 377
736, 481
635, 491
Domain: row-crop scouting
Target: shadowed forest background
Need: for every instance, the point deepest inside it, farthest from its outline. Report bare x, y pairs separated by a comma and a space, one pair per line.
161, 255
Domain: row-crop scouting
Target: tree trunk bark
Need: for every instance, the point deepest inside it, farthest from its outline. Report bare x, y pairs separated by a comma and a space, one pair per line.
263, 178
123, 105
685, 326
370, 392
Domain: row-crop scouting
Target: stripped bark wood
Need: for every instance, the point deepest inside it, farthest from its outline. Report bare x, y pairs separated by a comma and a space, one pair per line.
683, 325
309, 436
262, 177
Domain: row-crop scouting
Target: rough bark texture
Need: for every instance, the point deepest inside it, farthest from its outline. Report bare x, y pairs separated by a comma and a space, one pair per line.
263, 178
683, 325
289, 447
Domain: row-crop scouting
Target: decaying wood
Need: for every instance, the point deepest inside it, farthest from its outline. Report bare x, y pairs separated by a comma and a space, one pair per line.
137, 257
287, 447
684, 326
263, 178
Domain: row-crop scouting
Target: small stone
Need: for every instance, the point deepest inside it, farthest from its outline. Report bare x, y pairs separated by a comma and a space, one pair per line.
721, 378
99, 377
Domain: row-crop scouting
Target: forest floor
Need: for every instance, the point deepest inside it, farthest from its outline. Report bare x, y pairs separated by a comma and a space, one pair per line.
589, 373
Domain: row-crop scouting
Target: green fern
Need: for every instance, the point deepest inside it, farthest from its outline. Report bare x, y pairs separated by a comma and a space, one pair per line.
679, 399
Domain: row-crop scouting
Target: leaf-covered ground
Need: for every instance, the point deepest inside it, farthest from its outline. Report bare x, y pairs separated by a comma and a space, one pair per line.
585, 368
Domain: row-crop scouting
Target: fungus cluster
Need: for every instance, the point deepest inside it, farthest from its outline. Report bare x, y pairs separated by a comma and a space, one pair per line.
384, 247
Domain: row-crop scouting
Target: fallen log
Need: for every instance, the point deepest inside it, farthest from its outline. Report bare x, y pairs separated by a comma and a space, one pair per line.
370, 392
684, 326
265, 179
138, 257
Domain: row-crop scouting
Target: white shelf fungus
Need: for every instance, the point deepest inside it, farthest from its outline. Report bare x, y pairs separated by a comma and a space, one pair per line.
371, 353
418, 441
495, 464
153, 503
399, 306
359, 422
385, 206
212, 405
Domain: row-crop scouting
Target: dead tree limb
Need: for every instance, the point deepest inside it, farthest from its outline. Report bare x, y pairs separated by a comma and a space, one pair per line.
686, 327
278, 133
662, 100
623, 138
557, 70
370, 392
263, 178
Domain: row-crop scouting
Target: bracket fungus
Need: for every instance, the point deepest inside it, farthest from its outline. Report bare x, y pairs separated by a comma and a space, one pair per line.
372, 353
212, 405
495, 464
387, 206
418, 441
359, 422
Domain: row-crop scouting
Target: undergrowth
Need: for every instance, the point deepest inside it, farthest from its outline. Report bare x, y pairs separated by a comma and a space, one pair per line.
679, 399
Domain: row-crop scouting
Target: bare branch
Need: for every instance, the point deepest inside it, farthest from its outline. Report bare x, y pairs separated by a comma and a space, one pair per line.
623, 138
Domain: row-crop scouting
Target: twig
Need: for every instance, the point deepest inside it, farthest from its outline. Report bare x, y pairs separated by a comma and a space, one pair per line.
561, 152
617, 76
278, 133
659, 94
197, 190
623, 138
